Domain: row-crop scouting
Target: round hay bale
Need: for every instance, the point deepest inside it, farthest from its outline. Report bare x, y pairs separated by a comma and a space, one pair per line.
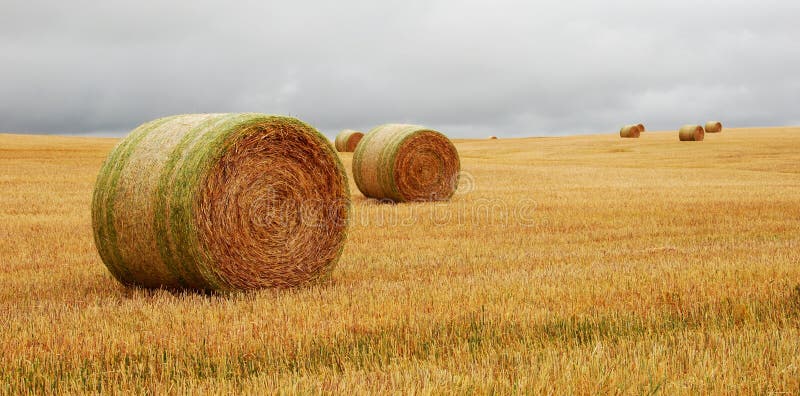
713, 127
641, 127
691, 133
347, 140
630, 131
406, 163
492, 137
221, 202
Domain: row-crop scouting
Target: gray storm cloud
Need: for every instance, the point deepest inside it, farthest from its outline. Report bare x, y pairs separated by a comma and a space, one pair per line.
468, 68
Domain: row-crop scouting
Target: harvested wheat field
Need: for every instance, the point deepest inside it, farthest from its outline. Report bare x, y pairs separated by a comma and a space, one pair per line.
585, 264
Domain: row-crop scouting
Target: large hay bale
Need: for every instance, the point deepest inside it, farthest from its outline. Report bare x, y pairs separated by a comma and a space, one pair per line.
221, 202
713, 127
347, 140
492, 137
630, 131
406, 163
691, 133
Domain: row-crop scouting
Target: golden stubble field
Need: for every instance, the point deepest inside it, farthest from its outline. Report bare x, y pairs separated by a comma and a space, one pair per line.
588, 264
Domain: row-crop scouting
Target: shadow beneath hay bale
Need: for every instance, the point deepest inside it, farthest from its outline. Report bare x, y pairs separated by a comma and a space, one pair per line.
373, 201
365, 201
133, 292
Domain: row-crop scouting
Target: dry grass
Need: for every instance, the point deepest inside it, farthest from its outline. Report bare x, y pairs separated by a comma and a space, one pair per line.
688, 284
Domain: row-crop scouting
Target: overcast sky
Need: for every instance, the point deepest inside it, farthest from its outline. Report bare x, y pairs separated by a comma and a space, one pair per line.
467, 68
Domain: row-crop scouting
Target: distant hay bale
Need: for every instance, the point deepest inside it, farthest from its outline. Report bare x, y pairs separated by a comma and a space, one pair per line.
691, 133
406, 163
713, 127
347, 140
630, 131
492, 137
641, 127
221, 202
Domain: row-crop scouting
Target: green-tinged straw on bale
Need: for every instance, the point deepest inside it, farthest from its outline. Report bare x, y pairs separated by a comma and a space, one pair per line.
347, 140
406, 163
221, 202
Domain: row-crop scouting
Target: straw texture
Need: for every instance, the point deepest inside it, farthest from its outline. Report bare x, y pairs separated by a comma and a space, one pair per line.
641, 127
691, 133
221, 202
713, 127
347, 140
630, 131
406, 163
